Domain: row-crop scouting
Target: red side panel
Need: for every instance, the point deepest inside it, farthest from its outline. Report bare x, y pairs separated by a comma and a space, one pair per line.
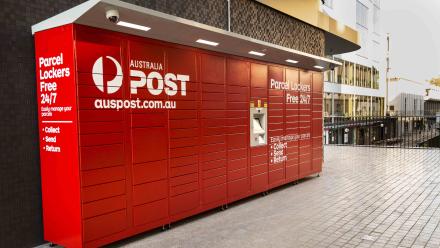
57, 118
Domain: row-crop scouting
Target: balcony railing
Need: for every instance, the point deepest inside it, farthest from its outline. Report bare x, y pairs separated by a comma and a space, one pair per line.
405, 131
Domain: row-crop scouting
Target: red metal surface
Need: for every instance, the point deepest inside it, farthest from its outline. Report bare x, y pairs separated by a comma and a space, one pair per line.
58, 137
136, 169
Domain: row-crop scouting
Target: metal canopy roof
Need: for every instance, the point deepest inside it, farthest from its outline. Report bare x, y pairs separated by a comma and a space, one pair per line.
181, 31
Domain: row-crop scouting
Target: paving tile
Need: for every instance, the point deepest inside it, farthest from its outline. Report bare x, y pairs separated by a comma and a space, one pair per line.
365, 197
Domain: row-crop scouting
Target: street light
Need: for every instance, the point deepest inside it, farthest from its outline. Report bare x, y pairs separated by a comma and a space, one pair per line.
382, 135
387, 73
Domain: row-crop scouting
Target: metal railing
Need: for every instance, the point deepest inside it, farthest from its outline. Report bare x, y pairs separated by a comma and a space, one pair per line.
388, 131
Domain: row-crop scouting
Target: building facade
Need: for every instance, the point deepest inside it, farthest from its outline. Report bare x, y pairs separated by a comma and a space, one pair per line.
412, 98
357, 88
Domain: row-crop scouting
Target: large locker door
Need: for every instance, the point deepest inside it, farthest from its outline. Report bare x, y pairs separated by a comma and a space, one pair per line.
276, 127
184, 175
237, 128
292, 125
317, 122
104, 165
213, 140
305, 123
259, 154
149, 145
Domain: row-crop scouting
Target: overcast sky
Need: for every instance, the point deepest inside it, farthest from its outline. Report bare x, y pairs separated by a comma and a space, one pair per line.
414, 27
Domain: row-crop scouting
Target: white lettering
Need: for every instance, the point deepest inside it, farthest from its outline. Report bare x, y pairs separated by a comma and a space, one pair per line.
48, 86
51, 61
278, 85
168, 83
183, 79
150, 86
171, 89
52, 129
135, 84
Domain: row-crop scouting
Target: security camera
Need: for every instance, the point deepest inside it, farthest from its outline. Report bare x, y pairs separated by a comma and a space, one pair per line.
332, 67
112, 15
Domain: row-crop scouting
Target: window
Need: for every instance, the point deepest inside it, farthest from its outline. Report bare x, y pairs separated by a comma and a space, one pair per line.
349, 73
328, 110
375, 79
366, 77
376, 19
362, 27
363, 32
338, 105
361, 15
377, 52
353, 74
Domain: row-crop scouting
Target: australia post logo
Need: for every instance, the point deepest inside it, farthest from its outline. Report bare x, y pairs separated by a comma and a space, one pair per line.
156, 82
110, 86
142, 74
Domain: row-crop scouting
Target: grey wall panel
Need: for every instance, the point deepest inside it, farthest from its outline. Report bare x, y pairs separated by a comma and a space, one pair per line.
258, 21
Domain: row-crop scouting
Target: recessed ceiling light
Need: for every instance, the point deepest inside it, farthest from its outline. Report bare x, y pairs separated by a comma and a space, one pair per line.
318, 67
291, 61
256, 53
207, 42
132, 25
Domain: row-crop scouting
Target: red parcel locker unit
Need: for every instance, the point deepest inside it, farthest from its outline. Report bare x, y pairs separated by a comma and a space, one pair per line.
138, 133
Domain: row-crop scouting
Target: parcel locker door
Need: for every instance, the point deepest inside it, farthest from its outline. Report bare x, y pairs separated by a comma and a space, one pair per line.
304, 89
237, 128
104, 180
212, 118
276, 126
292, 125
184, 166
317, 122
149, 136
259, 154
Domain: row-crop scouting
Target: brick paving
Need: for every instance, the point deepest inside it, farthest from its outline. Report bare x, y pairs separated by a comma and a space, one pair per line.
365, 197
